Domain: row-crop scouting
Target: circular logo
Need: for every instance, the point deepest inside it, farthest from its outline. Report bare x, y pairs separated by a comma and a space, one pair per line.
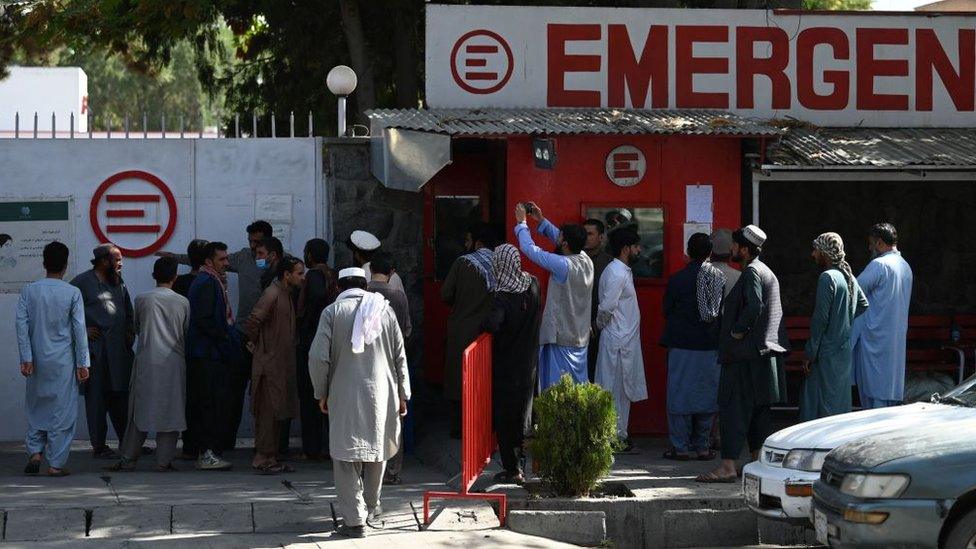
135, 211
481, 62
626, 166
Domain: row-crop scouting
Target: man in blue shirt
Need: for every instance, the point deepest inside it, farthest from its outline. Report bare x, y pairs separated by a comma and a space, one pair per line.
566, 321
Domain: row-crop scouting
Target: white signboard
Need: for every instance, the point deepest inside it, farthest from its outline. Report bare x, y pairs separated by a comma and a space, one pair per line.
26, 226
626, 166
828, 69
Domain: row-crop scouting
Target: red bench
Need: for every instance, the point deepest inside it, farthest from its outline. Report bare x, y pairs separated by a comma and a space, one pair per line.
928, 342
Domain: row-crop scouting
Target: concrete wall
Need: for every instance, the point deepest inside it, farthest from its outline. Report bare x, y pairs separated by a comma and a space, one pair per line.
359, 201
214, 183
934, 221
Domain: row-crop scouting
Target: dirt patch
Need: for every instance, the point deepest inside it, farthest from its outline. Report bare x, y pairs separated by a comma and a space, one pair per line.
604, 490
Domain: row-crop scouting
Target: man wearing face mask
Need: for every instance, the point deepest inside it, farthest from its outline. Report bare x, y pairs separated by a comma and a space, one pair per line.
111, 332
565, 331
620, 364
878, 336
266, 257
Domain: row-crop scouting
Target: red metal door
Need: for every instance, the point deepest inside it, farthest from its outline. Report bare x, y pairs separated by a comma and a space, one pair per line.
453, 199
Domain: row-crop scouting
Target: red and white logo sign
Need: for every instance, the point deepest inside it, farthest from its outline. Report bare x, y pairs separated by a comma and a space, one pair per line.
626, 166
135, 211
482, 62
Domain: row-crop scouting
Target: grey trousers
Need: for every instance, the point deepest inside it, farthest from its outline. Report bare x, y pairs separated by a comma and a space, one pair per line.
358, 486
165, 444
395, 464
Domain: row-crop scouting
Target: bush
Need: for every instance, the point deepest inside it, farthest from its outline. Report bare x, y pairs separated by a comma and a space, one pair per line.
575, 436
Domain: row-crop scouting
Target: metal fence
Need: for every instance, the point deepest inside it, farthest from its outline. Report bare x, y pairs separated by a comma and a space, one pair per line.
38, 128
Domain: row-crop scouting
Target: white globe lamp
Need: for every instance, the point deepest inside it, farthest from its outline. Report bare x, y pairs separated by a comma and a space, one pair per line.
342, 82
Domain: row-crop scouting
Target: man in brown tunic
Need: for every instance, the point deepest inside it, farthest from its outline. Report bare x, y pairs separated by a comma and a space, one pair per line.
271, 338
467, 290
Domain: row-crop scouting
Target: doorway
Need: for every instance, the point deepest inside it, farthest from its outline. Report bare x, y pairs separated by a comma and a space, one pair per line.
470, 189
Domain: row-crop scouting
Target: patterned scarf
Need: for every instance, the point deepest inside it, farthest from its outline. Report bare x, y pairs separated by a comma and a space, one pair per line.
709, 287
481, 259
507, 266
222, 281
832, 246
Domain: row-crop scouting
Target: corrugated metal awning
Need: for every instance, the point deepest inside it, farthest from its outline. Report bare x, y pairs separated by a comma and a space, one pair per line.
496, 122
886, 148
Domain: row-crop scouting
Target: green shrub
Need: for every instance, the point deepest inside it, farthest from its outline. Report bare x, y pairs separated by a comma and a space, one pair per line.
575, 436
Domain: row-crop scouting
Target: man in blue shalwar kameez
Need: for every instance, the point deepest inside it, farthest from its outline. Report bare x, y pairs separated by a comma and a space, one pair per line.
878, 336
53, 347
566, 321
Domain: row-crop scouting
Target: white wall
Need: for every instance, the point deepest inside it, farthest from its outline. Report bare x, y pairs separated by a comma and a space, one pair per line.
214, 182
44, 90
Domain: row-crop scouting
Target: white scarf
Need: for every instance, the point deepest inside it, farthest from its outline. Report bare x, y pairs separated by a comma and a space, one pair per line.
368, 324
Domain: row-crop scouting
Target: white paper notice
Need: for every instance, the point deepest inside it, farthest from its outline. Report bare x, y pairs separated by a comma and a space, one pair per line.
282, 231
25, 228
273, 207
698, 203
692, 228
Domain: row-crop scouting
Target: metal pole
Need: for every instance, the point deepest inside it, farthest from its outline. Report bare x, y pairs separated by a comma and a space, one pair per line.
162, 124
310, 123
181, 126
126, 125
54, 125
201, 125
89, 117
273, 129
237, 125
342, 116
71, 133
291, 124
145, 125
109, 130
254, 123
16, 124
35, 124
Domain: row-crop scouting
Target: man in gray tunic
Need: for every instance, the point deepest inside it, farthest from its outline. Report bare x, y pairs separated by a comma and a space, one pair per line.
108, 318
158, 391
358, 368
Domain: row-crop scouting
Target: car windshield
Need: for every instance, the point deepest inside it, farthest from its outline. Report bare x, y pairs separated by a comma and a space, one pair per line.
963, 395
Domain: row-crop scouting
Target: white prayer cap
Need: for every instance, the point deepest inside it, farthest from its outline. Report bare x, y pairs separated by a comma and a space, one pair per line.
626, 213
754, 234
352, 272
364, 241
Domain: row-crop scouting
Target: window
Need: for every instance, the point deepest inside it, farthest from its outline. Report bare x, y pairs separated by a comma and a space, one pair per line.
649, 223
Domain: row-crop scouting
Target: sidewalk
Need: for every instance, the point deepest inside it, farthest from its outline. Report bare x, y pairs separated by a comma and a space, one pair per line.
150, 509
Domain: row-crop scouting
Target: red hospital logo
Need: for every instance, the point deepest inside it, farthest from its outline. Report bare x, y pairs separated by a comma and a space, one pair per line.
481, 62
135, 211
626, 166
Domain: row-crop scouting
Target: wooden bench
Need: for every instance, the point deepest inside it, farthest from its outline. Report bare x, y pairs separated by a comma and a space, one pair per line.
928, 343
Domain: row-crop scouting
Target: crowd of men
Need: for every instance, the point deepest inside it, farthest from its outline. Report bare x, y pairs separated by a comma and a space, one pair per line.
305, 341
724, 331
309, 342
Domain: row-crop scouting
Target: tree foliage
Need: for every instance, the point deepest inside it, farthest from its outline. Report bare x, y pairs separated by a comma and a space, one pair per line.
279, 51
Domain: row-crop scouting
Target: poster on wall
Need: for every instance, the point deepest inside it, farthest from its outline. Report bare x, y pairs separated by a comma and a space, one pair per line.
26, 226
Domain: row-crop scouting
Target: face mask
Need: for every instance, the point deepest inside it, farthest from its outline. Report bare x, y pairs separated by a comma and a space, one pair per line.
261, 263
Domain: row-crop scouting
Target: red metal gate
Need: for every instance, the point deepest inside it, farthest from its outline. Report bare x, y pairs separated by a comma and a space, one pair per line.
477, 439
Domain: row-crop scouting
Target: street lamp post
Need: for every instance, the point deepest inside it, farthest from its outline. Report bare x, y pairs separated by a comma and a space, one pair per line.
342, 82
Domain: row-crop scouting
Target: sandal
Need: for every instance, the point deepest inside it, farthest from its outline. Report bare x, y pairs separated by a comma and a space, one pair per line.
275, 469
707, 456
52, 472
673, 455
712, 478
32, 468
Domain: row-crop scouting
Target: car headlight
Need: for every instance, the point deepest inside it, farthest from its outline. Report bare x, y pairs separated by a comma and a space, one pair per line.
805, 460
874, 486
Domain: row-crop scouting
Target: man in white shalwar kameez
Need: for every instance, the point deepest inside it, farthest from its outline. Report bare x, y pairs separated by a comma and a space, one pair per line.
53, 345
358, 369
620, 364
157, 391
878, 335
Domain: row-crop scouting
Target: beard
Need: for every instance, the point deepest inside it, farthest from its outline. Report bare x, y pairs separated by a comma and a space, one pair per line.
113, 277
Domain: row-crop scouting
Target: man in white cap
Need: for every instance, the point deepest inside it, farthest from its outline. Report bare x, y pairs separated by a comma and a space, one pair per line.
363, 245
751, 339
358, 369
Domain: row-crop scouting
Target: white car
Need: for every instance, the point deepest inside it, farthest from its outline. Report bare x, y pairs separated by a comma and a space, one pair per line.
780, 485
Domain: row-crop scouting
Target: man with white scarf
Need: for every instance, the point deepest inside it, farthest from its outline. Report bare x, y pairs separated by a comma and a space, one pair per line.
358, 369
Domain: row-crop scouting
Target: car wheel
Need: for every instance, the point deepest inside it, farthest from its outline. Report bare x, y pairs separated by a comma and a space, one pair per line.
963, 533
